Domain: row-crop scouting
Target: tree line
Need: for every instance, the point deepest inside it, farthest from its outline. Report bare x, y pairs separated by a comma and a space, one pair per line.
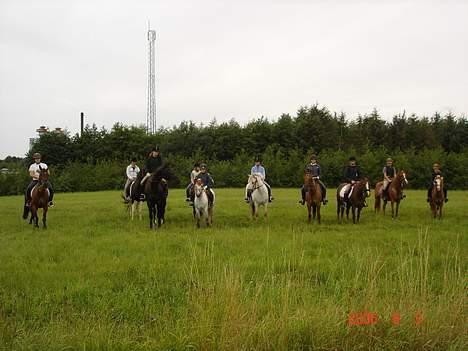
95, 160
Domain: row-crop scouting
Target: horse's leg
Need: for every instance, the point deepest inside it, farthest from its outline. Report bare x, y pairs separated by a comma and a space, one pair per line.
359, 214
347, 212
397, 207
440, 210
265, 210
44, 217
353, 210
314, 212
150, 211
393, 211
318, 214
140, 214
384, 206
198, 218
309, 210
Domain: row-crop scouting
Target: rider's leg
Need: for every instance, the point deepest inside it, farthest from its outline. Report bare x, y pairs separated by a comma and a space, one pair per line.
324, 192
147, 175
270, 198
127, 184
27, 194
188, 191
210, 197
51, 194
303, 195
248, 192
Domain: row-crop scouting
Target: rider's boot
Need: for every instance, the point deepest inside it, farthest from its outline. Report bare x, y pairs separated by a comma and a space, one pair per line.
303, 194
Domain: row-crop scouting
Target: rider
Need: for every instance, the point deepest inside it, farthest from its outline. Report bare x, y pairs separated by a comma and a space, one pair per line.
351, 175
313, 168
153, 162
435, 172
132, 173
193, 175
257, 168
389, 173
34, 171
207, 182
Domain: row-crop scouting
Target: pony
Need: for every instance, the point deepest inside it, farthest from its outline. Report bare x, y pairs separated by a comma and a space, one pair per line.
135, 197
156, 189
356, 201
201, 207
313, 197
259, 195
394, 191
437, 197
39, 199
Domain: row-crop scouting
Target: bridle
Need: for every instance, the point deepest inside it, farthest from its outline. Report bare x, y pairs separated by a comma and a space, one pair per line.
255, 183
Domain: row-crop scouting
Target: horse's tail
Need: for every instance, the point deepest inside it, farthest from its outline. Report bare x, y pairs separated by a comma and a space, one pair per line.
25, 211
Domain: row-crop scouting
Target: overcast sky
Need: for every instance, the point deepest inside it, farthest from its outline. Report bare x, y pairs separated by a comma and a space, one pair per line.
225, 59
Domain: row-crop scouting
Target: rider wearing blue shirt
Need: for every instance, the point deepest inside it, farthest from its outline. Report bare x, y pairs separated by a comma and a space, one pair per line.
258, 169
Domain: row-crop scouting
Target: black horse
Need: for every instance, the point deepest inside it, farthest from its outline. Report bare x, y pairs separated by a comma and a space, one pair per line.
156, 189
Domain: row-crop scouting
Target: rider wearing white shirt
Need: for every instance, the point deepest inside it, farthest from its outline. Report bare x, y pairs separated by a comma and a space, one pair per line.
260, 170
34, 171
132, 173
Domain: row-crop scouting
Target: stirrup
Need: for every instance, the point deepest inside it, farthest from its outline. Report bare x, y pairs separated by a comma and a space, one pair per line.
50, 204
302, 202
325, 201
446, 199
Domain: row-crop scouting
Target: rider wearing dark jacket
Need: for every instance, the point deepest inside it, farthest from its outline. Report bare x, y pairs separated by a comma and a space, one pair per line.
313, 168
207, 182
351, 173
153, 162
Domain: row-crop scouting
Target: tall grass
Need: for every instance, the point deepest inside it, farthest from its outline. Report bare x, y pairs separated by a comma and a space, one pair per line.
94, 280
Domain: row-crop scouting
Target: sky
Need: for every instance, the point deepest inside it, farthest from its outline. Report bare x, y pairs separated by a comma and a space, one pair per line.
225, 59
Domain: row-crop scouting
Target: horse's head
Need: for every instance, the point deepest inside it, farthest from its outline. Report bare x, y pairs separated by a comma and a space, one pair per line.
198, 187
43, 175
256, 180
439, 182
402, 178
309, 179
365, 187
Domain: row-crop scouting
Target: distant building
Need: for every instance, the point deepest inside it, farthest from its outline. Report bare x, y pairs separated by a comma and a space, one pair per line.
41, 131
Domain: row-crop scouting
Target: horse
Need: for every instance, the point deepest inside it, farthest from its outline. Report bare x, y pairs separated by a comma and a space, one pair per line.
200, 204
39, 199
135, 196
437, 197
394, 191
156, 189
259, 195
356, 201
313, 197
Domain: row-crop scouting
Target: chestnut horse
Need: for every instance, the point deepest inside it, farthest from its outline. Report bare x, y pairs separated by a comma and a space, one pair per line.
437, 197
313, 197
39, 199
360, 191
394, 191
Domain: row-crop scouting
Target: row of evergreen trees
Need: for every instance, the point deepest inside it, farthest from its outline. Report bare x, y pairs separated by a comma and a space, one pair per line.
96, 159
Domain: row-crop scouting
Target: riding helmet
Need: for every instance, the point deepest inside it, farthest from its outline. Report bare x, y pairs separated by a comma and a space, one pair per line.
389, 159
36, 155
352, 158
313, 157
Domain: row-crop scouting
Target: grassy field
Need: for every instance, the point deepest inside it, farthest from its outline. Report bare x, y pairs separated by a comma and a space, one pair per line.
95, 280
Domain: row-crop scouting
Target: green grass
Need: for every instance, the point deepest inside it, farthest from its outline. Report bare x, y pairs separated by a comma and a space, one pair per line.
95, 280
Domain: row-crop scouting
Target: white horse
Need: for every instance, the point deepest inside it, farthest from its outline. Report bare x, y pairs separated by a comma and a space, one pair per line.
259, 195
200, 205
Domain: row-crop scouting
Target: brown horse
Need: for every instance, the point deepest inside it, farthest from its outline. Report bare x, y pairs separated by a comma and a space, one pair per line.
394, 191
356, 201
313, 197
40, 199
437, 197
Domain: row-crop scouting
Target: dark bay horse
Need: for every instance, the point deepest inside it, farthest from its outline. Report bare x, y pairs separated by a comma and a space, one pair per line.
313, 197
437, 197
394, 191
156, 189
356, 200
39, 199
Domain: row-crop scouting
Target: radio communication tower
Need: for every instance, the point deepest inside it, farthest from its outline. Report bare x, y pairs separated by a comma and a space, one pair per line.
151, 89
